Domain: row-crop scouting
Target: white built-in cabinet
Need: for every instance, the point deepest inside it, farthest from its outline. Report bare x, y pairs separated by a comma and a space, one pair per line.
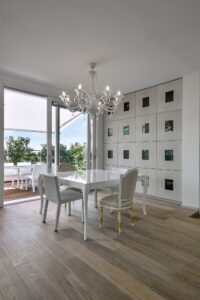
146, 132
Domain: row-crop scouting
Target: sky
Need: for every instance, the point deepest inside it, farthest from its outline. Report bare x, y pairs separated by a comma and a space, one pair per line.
28, 111
75, 132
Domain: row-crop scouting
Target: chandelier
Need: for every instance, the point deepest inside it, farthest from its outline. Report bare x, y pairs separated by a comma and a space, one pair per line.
90, 100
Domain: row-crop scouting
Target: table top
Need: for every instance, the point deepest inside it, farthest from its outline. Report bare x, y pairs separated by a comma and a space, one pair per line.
89, 176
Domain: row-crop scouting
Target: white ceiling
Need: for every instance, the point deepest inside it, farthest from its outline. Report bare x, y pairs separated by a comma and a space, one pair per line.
137, 43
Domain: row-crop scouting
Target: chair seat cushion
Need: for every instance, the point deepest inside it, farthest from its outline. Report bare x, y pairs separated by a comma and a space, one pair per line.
70, 195
112, 202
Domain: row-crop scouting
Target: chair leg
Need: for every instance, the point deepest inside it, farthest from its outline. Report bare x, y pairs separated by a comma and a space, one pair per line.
82, 211
45, 210
119, 222
65, 206
33, 185
132, 216
57, 218
101, 217
69, 209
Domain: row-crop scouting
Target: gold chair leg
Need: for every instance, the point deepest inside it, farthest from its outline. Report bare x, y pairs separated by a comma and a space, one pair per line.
132, 217
119, 222
101, 217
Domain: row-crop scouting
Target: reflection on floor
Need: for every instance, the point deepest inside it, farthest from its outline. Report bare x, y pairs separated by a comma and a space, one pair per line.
158, 258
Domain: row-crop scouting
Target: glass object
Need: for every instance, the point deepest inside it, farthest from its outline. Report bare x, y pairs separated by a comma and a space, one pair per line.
145, 128
126, 106
169, 96
169, 155
169, 125
126, 154
110, 153
126, 130
145, 102
169, 184
110, 131
145, 154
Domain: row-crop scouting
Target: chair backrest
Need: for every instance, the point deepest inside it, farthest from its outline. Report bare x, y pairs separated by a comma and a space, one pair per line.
51, 187
127, 185
65, 167
8, 164
37, 170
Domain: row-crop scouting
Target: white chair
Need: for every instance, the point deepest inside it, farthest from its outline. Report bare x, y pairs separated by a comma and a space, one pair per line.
123, 200
33, 178
11, 174
25, 170
53, 193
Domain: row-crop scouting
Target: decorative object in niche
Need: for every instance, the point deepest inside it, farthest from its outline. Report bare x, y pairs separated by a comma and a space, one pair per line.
126, 106
169, 125
145, 102
126, 154
169, 184
145, 128
145, 154
169, 96
110, 131
110, 153
126, 130
169, 155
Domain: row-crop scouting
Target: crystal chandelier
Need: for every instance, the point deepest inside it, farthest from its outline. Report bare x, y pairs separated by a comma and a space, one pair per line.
90, 100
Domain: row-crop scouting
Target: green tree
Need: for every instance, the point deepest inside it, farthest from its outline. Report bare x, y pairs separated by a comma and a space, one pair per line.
17, 148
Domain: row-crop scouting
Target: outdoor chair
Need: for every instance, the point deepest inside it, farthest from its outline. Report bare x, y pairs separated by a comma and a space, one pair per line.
25, 170
123, 200
36, 171
53, 194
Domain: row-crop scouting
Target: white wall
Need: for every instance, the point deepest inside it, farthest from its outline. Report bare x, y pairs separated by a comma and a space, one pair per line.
1, 143
190, 142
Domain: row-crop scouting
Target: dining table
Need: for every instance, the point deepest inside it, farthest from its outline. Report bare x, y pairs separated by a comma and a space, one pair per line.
87, 180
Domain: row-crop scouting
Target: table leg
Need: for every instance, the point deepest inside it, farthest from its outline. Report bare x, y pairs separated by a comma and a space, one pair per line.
145, 188
85, 204
95, 198
40, 185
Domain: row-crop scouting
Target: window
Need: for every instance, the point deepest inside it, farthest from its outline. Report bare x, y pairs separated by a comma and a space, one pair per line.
110, 153
145, 128
169, 125
126, 106
169, 96
145, 154
169, 184
126, 154
145, 102
110, 131
169, 155
126, 130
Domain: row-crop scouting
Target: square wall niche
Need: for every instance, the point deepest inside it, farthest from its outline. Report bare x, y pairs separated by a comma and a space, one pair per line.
169, 125
146, 101
126, 130
169, 96
110, 132
110, 154
169, 155
146, 155
126, 154
169, 185
126, 108
146, 128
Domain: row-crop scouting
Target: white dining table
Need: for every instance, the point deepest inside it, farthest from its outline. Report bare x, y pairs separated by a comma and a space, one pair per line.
88, 180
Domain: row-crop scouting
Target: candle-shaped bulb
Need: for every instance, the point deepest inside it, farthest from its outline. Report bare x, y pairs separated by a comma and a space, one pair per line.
107, 88
79, 86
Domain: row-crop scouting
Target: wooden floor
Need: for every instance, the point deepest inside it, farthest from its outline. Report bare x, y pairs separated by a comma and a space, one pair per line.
159, 258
